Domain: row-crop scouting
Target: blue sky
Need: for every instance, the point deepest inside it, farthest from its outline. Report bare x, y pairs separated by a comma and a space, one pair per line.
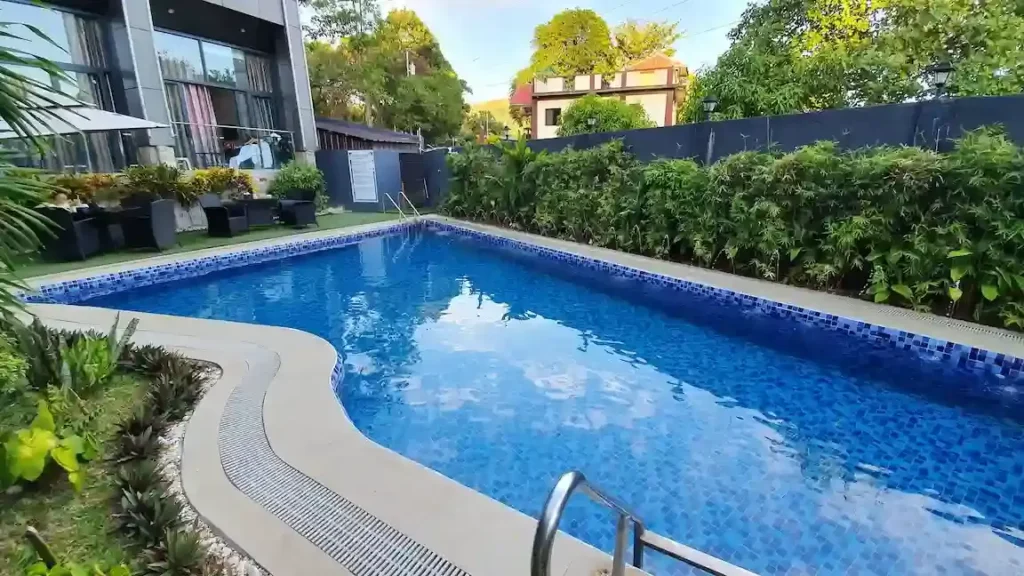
487, 41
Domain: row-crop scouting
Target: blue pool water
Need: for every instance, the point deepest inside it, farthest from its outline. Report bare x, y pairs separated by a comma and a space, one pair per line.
780, 448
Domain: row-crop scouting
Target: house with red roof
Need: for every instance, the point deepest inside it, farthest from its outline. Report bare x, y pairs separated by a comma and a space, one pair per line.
655, 83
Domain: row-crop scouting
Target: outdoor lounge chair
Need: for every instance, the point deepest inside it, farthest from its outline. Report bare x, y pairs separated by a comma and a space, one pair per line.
222, 219
74, 240
148, 222
298, 209
260, 211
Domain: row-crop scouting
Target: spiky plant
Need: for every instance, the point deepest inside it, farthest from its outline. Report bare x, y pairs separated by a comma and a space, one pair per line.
148, 516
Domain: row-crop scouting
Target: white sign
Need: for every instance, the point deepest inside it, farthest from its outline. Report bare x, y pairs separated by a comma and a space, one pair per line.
363, 175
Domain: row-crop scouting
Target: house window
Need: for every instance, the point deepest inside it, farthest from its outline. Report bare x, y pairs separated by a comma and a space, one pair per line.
552, 116
76, 44
221, 101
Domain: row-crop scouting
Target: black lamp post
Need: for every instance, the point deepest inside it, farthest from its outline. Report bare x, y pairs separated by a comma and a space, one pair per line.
508, 133
940, 76
709, 103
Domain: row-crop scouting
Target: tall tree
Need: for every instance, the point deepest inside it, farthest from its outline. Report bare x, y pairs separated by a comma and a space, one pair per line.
336, 19
635, 41
574, 42
391, 74
798, 55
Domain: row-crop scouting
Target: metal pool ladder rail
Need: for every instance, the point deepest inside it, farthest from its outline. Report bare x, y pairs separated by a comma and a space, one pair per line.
547, 527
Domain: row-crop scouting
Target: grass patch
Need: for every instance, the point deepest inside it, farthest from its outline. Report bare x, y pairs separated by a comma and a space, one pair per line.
199, 240
78, 527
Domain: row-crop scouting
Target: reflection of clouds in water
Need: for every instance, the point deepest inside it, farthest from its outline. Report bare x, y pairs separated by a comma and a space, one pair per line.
557, 382
968, 545
278, 287
430, 451
453, 398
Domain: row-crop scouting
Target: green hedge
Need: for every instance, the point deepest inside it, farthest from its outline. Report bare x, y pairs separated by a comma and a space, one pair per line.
942, 233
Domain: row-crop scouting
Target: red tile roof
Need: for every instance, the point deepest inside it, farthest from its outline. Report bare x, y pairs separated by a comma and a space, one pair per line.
523, 96
654, 62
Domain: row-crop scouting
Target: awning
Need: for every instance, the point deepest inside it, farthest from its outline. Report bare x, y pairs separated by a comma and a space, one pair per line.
75, 119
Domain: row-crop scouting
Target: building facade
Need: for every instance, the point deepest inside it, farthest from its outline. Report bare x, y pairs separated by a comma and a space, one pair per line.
654, 83
228, 77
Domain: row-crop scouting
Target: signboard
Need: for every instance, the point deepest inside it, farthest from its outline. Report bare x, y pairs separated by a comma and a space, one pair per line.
363, 174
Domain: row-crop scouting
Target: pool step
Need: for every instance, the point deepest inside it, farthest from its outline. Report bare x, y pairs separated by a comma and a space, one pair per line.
547, 527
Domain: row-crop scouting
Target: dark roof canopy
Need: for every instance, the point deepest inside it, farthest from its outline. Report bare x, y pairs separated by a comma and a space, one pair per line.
365, 132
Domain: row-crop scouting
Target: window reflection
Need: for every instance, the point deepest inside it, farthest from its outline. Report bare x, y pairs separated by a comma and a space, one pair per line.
179, 57
78, 87
225, 65
72, 39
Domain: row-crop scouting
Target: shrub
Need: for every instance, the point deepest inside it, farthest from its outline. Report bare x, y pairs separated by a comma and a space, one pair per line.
300, 178
161, 181
935, 232
594, 113
90, 187
12, 367
221, 181
27, 452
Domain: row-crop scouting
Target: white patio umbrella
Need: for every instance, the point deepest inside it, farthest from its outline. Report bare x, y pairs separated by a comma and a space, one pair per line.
78, 120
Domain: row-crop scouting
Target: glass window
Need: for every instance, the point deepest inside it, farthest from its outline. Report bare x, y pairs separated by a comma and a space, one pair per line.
225, 65
72, 39
179, 56
552, 116
258, 69
79, 87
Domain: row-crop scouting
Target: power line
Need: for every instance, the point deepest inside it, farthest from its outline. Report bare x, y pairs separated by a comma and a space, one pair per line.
680, 3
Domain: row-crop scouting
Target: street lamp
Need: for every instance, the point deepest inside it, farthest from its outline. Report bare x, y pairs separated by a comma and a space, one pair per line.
592, 122
940, 75
709, 103
508, 133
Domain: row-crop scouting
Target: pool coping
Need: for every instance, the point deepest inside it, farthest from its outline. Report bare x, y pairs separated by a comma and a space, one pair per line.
464, 531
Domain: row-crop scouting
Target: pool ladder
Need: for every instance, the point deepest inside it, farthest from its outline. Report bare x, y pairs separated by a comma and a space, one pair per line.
547, 527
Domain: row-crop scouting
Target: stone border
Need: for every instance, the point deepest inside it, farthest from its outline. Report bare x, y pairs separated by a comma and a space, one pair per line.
287, 371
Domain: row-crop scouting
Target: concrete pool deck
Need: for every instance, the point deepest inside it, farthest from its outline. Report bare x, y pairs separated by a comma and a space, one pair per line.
292, 483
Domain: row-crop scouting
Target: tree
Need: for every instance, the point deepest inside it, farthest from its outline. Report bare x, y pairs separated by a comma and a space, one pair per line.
388, 72
481, 124
593, 113
792, 56
635, 41
574, 42
335, 19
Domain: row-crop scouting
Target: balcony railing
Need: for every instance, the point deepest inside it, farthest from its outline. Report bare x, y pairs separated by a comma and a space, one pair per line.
207, 145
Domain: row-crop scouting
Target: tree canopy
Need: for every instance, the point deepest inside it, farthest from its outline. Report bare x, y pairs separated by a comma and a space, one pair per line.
790, 56
383, 71
593, 113
579, 41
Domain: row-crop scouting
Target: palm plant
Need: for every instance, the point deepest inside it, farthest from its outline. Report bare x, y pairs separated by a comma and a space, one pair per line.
26, 105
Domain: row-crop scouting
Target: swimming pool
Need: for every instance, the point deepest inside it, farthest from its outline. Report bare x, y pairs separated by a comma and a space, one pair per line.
778, 447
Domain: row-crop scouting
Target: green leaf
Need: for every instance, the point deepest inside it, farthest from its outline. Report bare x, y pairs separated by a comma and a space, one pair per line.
44, 419
959, 253
66, 458
794, 252
74, 443
77, 479
1020, 281
957, 272
28, 451
881, 295
894, 256
955, 293
121, 570
990, 292
37, 569
903, 290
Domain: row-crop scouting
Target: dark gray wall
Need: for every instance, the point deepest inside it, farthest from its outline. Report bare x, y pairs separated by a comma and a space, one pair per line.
931, 124
389, 177
435, 169
334, 165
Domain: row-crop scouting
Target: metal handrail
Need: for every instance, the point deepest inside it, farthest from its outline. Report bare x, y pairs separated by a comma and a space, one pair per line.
411, 205
401, 214
547, 526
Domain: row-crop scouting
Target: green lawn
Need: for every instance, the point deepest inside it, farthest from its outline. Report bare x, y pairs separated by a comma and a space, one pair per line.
189, 241
78, 527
